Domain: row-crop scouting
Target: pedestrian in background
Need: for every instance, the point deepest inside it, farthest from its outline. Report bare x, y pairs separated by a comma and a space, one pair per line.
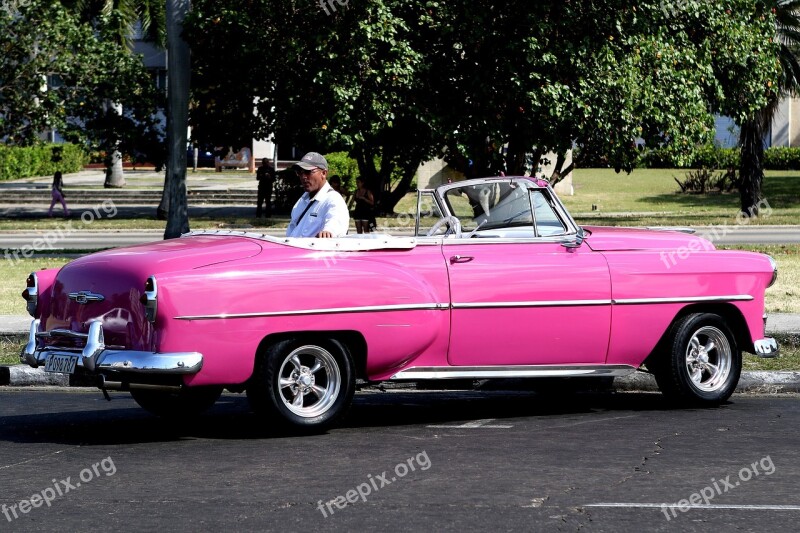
266, 180
57, 194
365, 206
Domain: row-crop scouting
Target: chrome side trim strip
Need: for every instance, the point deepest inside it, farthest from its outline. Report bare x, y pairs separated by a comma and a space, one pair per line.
329, 311
517, 371
621, 301
552, 303
685, 299
477, 305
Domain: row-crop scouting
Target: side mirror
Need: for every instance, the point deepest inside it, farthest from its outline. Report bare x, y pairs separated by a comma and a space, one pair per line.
580, 236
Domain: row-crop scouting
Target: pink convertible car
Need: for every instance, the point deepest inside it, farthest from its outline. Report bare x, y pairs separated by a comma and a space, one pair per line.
496, 281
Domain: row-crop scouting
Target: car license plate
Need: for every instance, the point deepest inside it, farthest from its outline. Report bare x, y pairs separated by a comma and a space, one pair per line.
62, 364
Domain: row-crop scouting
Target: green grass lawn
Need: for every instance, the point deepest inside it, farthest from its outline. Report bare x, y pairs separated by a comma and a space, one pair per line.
643, 198
12, 281
650, 197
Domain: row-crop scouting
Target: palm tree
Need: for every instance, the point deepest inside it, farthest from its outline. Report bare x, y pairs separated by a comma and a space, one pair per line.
122, 17
753, 131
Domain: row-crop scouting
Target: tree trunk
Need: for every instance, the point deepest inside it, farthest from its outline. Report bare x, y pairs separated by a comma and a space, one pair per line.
114, 176
751, 170
177, 120
393, 198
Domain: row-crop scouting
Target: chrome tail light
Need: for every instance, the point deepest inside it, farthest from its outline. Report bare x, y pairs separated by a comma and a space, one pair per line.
31, 294
150, 299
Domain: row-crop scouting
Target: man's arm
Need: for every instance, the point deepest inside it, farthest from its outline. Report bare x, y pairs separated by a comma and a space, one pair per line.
337, 219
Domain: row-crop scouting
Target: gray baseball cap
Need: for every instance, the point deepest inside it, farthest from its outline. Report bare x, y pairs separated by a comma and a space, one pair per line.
311, 161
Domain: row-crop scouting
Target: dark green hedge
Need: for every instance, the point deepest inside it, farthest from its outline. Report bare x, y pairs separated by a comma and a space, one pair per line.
711, 157
24, 162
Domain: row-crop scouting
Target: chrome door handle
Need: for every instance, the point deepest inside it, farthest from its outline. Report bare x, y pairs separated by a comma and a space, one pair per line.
461, 258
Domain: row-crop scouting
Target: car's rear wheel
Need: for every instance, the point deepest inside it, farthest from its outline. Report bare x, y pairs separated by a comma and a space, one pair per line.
307, 385
189, 401
701, 363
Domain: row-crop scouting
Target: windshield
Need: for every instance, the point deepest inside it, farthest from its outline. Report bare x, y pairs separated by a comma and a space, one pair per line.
504, 205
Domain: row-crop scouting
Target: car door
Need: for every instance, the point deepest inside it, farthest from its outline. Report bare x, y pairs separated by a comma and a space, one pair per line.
527, 300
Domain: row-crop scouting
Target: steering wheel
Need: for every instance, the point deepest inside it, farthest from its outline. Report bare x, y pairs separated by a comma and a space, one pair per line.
453, 224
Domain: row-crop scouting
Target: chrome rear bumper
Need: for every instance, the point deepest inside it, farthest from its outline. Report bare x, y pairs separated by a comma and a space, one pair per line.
767, 347
95, 358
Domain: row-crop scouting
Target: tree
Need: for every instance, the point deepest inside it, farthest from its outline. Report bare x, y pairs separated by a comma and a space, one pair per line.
349, 79
755, 127
117, 20
518, 79
177, 120
496, 83
122, 18
58, 73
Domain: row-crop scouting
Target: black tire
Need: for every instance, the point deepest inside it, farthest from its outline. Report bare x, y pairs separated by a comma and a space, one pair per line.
303, 385
700, 363
188, 402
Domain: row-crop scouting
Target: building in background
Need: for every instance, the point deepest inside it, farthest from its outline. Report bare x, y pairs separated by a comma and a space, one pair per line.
785, 129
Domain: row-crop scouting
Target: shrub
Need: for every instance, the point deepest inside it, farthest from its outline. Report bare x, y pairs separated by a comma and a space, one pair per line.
714, 157
705, 180
26, 161
782, 158
710, 156
345, 166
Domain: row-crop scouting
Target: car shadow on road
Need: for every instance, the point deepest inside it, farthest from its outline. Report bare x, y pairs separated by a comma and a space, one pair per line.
123, 422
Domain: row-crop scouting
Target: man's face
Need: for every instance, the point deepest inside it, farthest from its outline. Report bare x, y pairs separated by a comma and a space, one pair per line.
312, 180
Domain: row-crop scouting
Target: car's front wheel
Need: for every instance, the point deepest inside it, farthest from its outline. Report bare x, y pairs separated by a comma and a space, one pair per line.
307, 385
701, 363
189, 401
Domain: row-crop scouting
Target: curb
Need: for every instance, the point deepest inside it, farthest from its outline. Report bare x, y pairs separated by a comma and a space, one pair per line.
25, 376
753, 382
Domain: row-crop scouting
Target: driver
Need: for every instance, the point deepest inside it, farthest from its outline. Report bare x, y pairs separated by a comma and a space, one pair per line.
321, 211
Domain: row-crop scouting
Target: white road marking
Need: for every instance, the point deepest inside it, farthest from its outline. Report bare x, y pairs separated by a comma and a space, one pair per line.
476, 424
701, 506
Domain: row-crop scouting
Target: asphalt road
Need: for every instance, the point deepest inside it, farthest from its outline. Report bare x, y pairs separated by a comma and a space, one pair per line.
408, 461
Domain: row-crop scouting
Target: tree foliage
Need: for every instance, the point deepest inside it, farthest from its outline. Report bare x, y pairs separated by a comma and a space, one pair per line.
121, 17
58, 73
491, 83
603, 75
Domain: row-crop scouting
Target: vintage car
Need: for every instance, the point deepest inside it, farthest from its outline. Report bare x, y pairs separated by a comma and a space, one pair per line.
493, 280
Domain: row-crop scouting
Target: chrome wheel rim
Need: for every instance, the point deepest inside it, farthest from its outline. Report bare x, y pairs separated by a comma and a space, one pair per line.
709, 359
309, 381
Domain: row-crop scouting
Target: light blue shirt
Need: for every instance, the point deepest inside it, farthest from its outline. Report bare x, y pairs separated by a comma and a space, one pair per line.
328, 212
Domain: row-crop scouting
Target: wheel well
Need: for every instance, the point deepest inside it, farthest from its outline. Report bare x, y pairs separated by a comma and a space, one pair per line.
352, 340
729, 312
